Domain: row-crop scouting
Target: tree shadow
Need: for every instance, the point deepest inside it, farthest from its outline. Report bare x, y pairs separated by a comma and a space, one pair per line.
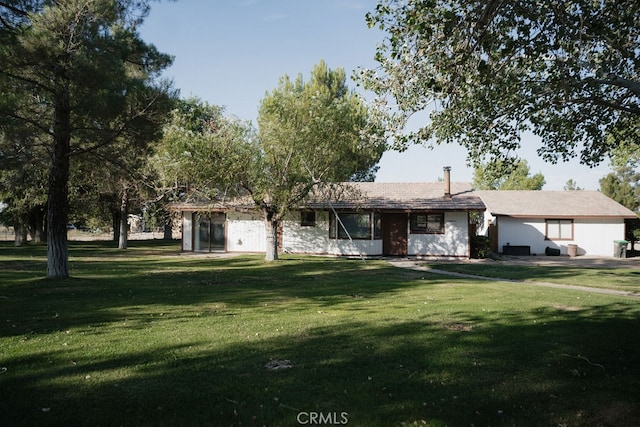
578, 368
546, 366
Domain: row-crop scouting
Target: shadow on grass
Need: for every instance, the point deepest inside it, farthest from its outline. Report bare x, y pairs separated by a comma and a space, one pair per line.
107, 288
578, 368
205, 361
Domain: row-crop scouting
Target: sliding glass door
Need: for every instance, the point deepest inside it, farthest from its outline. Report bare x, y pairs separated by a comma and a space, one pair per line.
209, 232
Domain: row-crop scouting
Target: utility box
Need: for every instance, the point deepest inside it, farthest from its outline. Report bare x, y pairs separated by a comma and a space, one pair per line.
620, 248
551, 251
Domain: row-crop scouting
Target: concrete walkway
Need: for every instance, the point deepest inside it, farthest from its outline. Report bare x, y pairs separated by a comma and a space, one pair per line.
418, 265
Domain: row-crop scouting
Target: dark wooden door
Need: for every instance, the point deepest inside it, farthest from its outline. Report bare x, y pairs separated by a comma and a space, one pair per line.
394, 234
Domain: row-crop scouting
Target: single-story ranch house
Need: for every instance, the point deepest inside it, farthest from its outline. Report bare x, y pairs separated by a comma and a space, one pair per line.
416, 219
391, 219
532, 222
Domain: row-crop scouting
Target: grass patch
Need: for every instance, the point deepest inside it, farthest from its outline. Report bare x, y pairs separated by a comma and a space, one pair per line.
150, 337
622, 279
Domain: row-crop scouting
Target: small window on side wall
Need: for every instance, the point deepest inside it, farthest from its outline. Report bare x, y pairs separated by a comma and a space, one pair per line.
308, 218
559, 229
423, 223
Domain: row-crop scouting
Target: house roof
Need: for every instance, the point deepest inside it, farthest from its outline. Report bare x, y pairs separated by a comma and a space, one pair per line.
398, 196
238, 204
553, 204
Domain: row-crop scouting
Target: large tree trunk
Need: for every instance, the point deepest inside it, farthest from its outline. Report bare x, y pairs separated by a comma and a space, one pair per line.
115, 223
272, 240
58, 205
271, 228
168, 231
124, 216
36, 224
20, 232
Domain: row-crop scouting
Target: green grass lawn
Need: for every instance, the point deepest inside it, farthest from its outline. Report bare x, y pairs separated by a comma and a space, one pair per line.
150, 337
621, 279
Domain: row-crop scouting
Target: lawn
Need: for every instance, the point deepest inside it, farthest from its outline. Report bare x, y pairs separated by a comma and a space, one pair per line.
619, 278
150, 337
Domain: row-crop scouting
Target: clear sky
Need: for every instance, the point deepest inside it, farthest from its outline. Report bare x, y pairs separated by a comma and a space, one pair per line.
231, 52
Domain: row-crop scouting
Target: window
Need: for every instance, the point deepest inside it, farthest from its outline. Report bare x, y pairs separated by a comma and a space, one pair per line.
559, 229
423, 223
308, 218
357, 225
377, 226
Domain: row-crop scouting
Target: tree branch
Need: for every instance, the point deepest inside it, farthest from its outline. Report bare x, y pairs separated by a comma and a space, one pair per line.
604, 103
617, 81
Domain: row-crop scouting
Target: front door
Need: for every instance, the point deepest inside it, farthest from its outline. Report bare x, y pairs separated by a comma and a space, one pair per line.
394, 234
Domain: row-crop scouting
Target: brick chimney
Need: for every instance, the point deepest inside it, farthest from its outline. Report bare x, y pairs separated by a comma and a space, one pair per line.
447, 181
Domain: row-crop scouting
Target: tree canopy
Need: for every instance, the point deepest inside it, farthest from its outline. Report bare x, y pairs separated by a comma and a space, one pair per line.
488, 71
203, 154
492, 177
76, 77
310, 133
623, 183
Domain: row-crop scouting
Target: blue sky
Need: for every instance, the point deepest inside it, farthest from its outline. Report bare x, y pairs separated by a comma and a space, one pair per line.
231, 52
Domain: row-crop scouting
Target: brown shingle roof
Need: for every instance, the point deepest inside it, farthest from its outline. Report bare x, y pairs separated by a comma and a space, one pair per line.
553, 204
400, 196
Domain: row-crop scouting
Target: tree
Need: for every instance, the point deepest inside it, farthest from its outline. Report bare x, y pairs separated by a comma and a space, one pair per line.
622, 186
493, 177
572, 185
198, 156
23, 182
623, 183
309, 133
78, 73
487, 71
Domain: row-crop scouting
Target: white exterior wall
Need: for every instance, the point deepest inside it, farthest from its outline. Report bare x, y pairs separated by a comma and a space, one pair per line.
454, 241
315, 240
187, 231
245, 233
357, 247
594, 236
306, 239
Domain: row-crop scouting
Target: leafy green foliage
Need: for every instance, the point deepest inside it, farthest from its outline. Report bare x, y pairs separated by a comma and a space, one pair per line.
488, 71
200, 154
572, 185
623, 184
310, 132
496, 177
76, 77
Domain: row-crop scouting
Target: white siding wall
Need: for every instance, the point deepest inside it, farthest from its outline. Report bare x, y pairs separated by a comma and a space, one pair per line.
357, 247
306, 239
454, 241
315, 240
245, 233
596, 236
187, 231
592, 235
523, 231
